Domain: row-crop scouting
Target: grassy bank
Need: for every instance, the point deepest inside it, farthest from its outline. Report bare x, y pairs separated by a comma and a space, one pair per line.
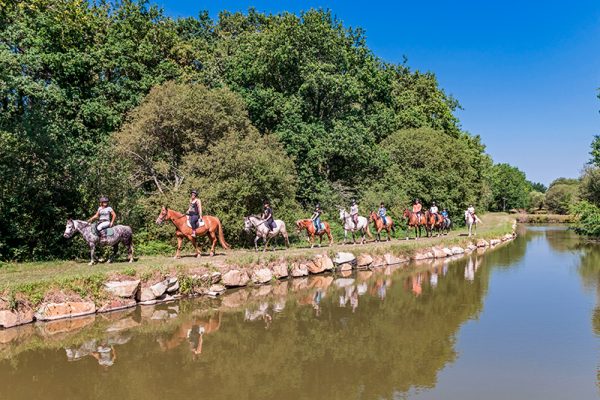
545, 219
31, 282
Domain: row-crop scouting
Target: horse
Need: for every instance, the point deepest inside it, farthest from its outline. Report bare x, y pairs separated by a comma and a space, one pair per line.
256, 223
445, 225
379, 226
471, 220
121, 234
414, 222
212, 227
433, 223
310, 229
362, 226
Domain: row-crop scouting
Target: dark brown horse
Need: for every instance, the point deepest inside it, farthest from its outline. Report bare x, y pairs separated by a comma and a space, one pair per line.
212, 227
379, 225
430, 223
310, 228
414, 222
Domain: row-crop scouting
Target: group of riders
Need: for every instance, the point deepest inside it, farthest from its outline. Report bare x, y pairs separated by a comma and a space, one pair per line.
106, 215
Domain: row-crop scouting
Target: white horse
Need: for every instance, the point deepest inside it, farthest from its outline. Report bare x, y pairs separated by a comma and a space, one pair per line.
262, 231
471, 220
362, 226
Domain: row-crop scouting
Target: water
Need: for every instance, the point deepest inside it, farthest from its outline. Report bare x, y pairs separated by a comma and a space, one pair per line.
518, 322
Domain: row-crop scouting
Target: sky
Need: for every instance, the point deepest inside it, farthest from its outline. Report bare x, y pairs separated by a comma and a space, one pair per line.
526, 73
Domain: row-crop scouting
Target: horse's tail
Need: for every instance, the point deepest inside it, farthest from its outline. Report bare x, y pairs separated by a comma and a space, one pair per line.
224, 244
369, 231
393, 227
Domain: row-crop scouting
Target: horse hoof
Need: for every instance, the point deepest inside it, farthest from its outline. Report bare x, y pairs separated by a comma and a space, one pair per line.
91, 263
212, 254
197, 255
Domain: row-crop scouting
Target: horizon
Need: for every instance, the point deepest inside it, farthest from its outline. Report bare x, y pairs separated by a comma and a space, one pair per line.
530, 92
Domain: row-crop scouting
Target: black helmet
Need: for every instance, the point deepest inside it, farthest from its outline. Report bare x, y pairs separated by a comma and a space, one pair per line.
416, 200
433, 203
318, 205
194, 191
103, 199
353, 201
266, 202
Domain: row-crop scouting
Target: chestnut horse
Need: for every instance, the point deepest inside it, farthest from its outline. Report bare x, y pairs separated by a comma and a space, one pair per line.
414, 222
310, 228
379, 226
431, 224
212, 227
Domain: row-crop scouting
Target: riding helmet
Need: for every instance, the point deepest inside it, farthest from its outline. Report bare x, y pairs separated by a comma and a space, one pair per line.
194, 191
103, 199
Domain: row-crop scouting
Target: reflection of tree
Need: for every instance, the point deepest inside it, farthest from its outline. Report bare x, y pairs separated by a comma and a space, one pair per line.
562, 240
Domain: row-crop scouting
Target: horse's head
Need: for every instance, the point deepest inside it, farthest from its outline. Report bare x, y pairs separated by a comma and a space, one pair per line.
299, 225
247, 224
342, 213
372, 216
406, 213
69, 229
163, 216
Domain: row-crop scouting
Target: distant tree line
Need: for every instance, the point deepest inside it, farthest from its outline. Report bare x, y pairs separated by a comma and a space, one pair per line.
119, 99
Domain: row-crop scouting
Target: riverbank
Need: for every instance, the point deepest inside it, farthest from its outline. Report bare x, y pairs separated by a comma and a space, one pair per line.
545, 219
51, 291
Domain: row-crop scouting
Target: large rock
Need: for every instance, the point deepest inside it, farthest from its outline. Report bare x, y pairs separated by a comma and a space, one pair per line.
345, 267
495, 242
172, 285
457, 250
471, 247
160, 288
482, 243
507, 237
215, 277
117, 304
69, 309
321, 263
447, 251
391, 259
262, 275
125, 289
344, 257
146, 294
364, 260
438, 253
234, 278
422, 255
216, 290
10, 318
299, 269
280, 270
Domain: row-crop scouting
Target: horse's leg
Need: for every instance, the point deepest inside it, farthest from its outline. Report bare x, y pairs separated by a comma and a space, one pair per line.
92, 250
213, 238
179, 244
130, 250
113, 255
330, 236
256, 242
311, 240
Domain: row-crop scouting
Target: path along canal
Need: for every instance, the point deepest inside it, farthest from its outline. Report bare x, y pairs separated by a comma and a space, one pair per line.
520, 321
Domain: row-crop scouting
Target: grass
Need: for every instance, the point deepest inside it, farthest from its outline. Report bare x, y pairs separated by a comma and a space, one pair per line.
545, 218
33, 279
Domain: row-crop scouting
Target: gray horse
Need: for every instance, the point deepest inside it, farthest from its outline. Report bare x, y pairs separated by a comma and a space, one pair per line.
258, 224
121, 234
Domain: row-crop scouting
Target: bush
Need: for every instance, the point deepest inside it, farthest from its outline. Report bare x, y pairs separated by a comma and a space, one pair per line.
561, 197
588, 216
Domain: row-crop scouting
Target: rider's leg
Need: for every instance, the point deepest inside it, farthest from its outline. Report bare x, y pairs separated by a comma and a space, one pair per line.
102, 226
194, 224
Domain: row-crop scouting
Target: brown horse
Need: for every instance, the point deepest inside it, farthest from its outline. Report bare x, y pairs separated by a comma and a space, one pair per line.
310, 228
379, 226
414, 222
212, 227
432, 224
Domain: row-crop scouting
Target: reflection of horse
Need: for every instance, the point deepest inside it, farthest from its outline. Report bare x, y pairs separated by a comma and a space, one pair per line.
121, 234
262, 231
362, 226
413, 221
211, 227
310, 229
379, 226
193, 331
471, 221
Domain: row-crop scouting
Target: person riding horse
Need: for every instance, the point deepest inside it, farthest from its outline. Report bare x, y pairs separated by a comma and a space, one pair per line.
417, 207
434, 210
382, 213
194, 211
354, 213
471, 210
316, 218
268, 215
105, 215
445, 214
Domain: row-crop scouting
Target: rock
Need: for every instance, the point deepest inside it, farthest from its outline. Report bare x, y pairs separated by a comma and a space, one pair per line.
160, 288
280, 270
299, 269
364, 260
125, 289
69, 309
216, 288
343, 282
471, 247
215, 277
10, 318
116, 304
66, 325
262, 275
235, 278
391, 259
200, 290
343, 257
345, 267
482, 243
422, 255
438, 253
447, 251
320, 263
146, 294
507, 237
173, 285
495, 242
457, 250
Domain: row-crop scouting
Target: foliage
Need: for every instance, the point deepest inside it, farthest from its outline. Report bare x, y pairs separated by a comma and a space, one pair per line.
536, 200
561, 197
595, 151
589, 189
538, 187
588, 218
510, 188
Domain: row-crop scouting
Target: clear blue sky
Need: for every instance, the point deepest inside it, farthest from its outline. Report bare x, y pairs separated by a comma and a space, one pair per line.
526, 73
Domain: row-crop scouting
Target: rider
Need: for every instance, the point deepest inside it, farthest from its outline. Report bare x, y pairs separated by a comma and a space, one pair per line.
105, 215
354, 213
382, 213
316, 217
471, 210
194, 211
445, 214
417, 207
268, 215
434, 210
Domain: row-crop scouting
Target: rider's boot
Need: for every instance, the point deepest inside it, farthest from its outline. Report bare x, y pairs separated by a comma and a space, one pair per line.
193, 233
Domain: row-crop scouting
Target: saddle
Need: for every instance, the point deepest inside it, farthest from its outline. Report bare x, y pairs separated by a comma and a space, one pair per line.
103, 233
321, 227
200, 222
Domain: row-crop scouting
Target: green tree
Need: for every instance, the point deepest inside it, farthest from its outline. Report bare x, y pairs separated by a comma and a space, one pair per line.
589, 189
536, 200
510, 188
561, 197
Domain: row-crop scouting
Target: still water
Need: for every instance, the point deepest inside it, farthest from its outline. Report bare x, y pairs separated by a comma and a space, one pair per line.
519, 322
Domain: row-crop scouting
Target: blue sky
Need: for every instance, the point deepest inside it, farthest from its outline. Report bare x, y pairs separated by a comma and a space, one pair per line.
526, 73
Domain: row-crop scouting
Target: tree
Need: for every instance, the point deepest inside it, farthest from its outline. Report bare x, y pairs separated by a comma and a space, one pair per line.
561, 197
510, 188
536, 200
589, 189
538, 187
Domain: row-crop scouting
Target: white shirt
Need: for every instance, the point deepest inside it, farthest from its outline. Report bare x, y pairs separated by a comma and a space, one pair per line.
434, 210
471, 210
354, 210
